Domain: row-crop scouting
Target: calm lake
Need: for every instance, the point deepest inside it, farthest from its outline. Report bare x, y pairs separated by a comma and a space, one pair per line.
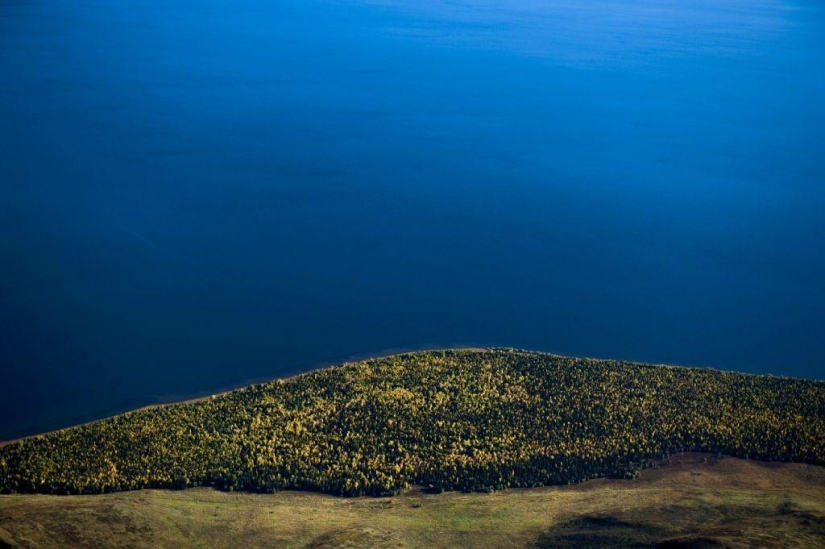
194, 194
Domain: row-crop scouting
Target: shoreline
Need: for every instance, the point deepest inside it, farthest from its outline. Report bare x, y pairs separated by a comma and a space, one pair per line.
170, 400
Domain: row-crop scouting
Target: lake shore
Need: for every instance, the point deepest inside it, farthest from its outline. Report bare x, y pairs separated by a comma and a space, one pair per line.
358, 357
199, 397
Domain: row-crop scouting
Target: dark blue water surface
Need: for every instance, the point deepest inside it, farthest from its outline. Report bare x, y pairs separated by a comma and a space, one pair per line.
196, 193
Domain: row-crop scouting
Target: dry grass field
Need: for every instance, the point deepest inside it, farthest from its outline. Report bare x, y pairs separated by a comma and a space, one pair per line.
697, 501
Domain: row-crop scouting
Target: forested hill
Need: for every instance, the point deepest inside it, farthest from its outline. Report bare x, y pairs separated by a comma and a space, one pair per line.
460, 419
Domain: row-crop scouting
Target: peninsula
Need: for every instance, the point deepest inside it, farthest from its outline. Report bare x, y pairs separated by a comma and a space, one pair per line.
454, 420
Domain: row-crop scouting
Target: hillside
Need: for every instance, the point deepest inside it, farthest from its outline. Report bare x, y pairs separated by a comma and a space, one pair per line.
472, 420
697, 501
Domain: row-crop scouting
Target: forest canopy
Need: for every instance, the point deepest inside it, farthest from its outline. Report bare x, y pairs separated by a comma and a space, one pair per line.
473, 420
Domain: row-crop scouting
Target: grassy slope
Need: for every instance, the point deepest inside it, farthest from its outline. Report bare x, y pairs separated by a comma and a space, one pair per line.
727, 502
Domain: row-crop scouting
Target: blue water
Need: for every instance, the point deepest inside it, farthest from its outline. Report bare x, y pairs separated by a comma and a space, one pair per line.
198, 193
